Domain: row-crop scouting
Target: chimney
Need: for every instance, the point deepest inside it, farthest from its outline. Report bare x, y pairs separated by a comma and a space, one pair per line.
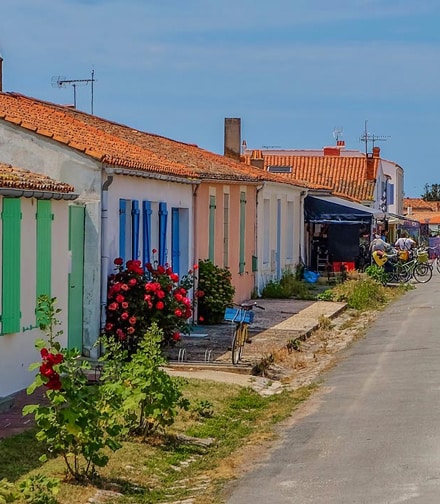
340, 143
1, 74
376, 152
257, 159
232, 147
332, 151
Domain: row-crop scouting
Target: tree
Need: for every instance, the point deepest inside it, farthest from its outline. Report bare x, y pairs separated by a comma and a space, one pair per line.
432, 192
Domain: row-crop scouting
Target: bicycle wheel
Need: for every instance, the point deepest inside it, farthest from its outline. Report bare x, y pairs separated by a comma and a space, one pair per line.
437, 263
422, 273
237, 344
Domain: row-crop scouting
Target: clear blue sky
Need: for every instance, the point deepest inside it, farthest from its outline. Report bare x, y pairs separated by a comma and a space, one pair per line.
293, 70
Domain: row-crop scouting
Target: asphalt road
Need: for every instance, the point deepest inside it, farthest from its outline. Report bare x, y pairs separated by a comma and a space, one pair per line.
371, 435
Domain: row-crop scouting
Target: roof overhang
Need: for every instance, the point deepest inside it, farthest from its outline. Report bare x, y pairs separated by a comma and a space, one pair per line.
333, 210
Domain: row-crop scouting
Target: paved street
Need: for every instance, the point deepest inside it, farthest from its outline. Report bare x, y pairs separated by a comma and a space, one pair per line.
371, 435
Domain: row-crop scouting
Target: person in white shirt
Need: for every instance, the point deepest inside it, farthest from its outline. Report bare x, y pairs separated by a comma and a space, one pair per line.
405, 243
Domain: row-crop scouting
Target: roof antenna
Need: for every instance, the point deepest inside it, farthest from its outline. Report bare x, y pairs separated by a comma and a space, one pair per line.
60, 81
370, 137
337, 133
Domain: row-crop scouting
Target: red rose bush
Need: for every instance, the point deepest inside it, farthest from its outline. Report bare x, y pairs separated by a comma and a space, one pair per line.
139, 297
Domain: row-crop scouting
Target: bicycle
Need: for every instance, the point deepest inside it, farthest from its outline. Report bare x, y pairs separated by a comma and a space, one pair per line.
401, 271
242, 316
434, 258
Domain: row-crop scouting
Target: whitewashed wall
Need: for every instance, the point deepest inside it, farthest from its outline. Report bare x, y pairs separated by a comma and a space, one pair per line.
292, 222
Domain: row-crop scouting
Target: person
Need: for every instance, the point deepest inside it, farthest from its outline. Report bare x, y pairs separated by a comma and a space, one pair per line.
379, 250
379, 245
405, 242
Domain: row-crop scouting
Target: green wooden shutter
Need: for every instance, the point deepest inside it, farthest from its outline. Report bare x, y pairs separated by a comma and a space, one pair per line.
211, 238
242, 231
11, 265
44, 247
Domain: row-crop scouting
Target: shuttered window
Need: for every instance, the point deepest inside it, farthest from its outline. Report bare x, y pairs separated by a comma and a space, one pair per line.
135, 214
44, 247
146, 231
163, 216
11, 265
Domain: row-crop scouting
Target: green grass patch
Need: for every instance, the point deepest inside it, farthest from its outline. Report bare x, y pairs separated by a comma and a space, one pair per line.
165, 468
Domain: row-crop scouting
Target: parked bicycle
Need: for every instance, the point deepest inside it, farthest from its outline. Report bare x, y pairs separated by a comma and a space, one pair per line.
242, 316
398, 269
434, 258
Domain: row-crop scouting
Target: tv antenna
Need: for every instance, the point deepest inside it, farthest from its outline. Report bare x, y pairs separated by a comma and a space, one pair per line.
61, 82
271, 146
370, 137
337, 133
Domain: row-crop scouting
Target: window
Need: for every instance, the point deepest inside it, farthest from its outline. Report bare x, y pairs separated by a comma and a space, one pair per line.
211, 237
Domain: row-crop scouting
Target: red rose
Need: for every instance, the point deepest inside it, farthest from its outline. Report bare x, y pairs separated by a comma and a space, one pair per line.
124, 287
44, 352
161, 269
160, 305
154, 251
174, 277
132, 320
119, 261
200, 293
149, 267
55, 358
176, 336
119, 298
108, 326
54, 382
130, 330
120, 334
113, 306
177, 312
201, 319
124, 305
160, 294
178, 297
46, 370
124, 316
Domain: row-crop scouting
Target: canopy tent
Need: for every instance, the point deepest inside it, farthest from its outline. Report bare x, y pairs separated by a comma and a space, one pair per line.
334, 210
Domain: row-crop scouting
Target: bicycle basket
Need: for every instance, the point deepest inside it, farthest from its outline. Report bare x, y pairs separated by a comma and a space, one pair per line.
239, 315
422, 257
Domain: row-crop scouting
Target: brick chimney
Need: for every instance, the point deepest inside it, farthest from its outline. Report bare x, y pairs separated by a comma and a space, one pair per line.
376, 152
257, 159
332, 151
232, 147
340, 143
1, 74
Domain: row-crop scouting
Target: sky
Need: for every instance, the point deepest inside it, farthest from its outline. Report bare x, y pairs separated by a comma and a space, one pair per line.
299, 73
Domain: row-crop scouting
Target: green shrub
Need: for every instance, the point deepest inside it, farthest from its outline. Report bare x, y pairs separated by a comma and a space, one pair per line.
361, 294
377, 273
215, 291
288, 286
327, 295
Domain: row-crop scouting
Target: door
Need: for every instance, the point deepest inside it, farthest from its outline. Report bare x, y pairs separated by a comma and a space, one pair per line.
76, 276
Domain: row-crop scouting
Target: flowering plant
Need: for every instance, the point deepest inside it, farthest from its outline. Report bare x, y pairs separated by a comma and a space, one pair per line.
137, 298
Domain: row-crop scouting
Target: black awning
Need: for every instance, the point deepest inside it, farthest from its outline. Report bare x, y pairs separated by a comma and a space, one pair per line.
333, 210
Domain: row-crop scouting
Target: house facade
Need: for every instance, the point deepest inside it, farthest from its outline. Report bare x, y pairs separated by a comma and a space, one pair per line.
35, 260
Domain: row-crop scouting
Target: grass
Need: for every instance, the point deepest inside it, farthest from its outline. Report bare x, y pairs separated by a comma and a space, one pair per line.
166, 469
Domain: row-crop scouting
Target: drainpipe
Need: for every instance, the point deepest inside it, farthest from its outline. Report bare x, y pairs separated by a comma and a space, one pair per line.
105, 261
302, 231
195, 317
257, 250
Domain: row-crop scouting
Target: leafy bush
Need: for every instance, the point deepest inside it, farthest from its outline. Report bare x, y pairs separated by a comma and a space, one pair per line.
71, 422
327, 295
148, 396
288, 286
377, 273
215, 292
361, 294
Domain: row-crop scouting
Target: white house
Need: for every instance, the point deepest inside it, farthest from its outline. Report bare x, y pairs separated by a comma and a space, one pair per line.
34, 236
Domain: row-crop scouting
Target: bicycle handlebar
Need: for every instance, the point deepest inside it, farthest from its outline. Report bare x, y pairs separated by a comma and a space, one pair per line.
249, 306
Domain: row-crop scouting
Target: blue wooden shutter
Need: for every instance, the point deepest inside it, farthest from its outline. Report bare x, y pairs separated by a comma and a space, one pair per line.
135, 229
175, 241
44, 247
163, 215
211, 236
11, 265
242, 231
122, 231
146, 231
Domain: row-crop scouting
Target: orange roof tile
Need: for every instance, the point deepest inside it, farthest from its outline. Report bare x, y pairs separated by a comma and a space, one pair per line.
18, 178
420, 204
352, 177
125, 147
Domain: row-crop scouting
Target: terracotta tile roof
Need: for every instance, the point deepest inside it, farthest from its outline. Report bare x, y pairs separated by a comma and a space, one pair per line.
420, 204
351, 177
422, 211
18, 178
125, 147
